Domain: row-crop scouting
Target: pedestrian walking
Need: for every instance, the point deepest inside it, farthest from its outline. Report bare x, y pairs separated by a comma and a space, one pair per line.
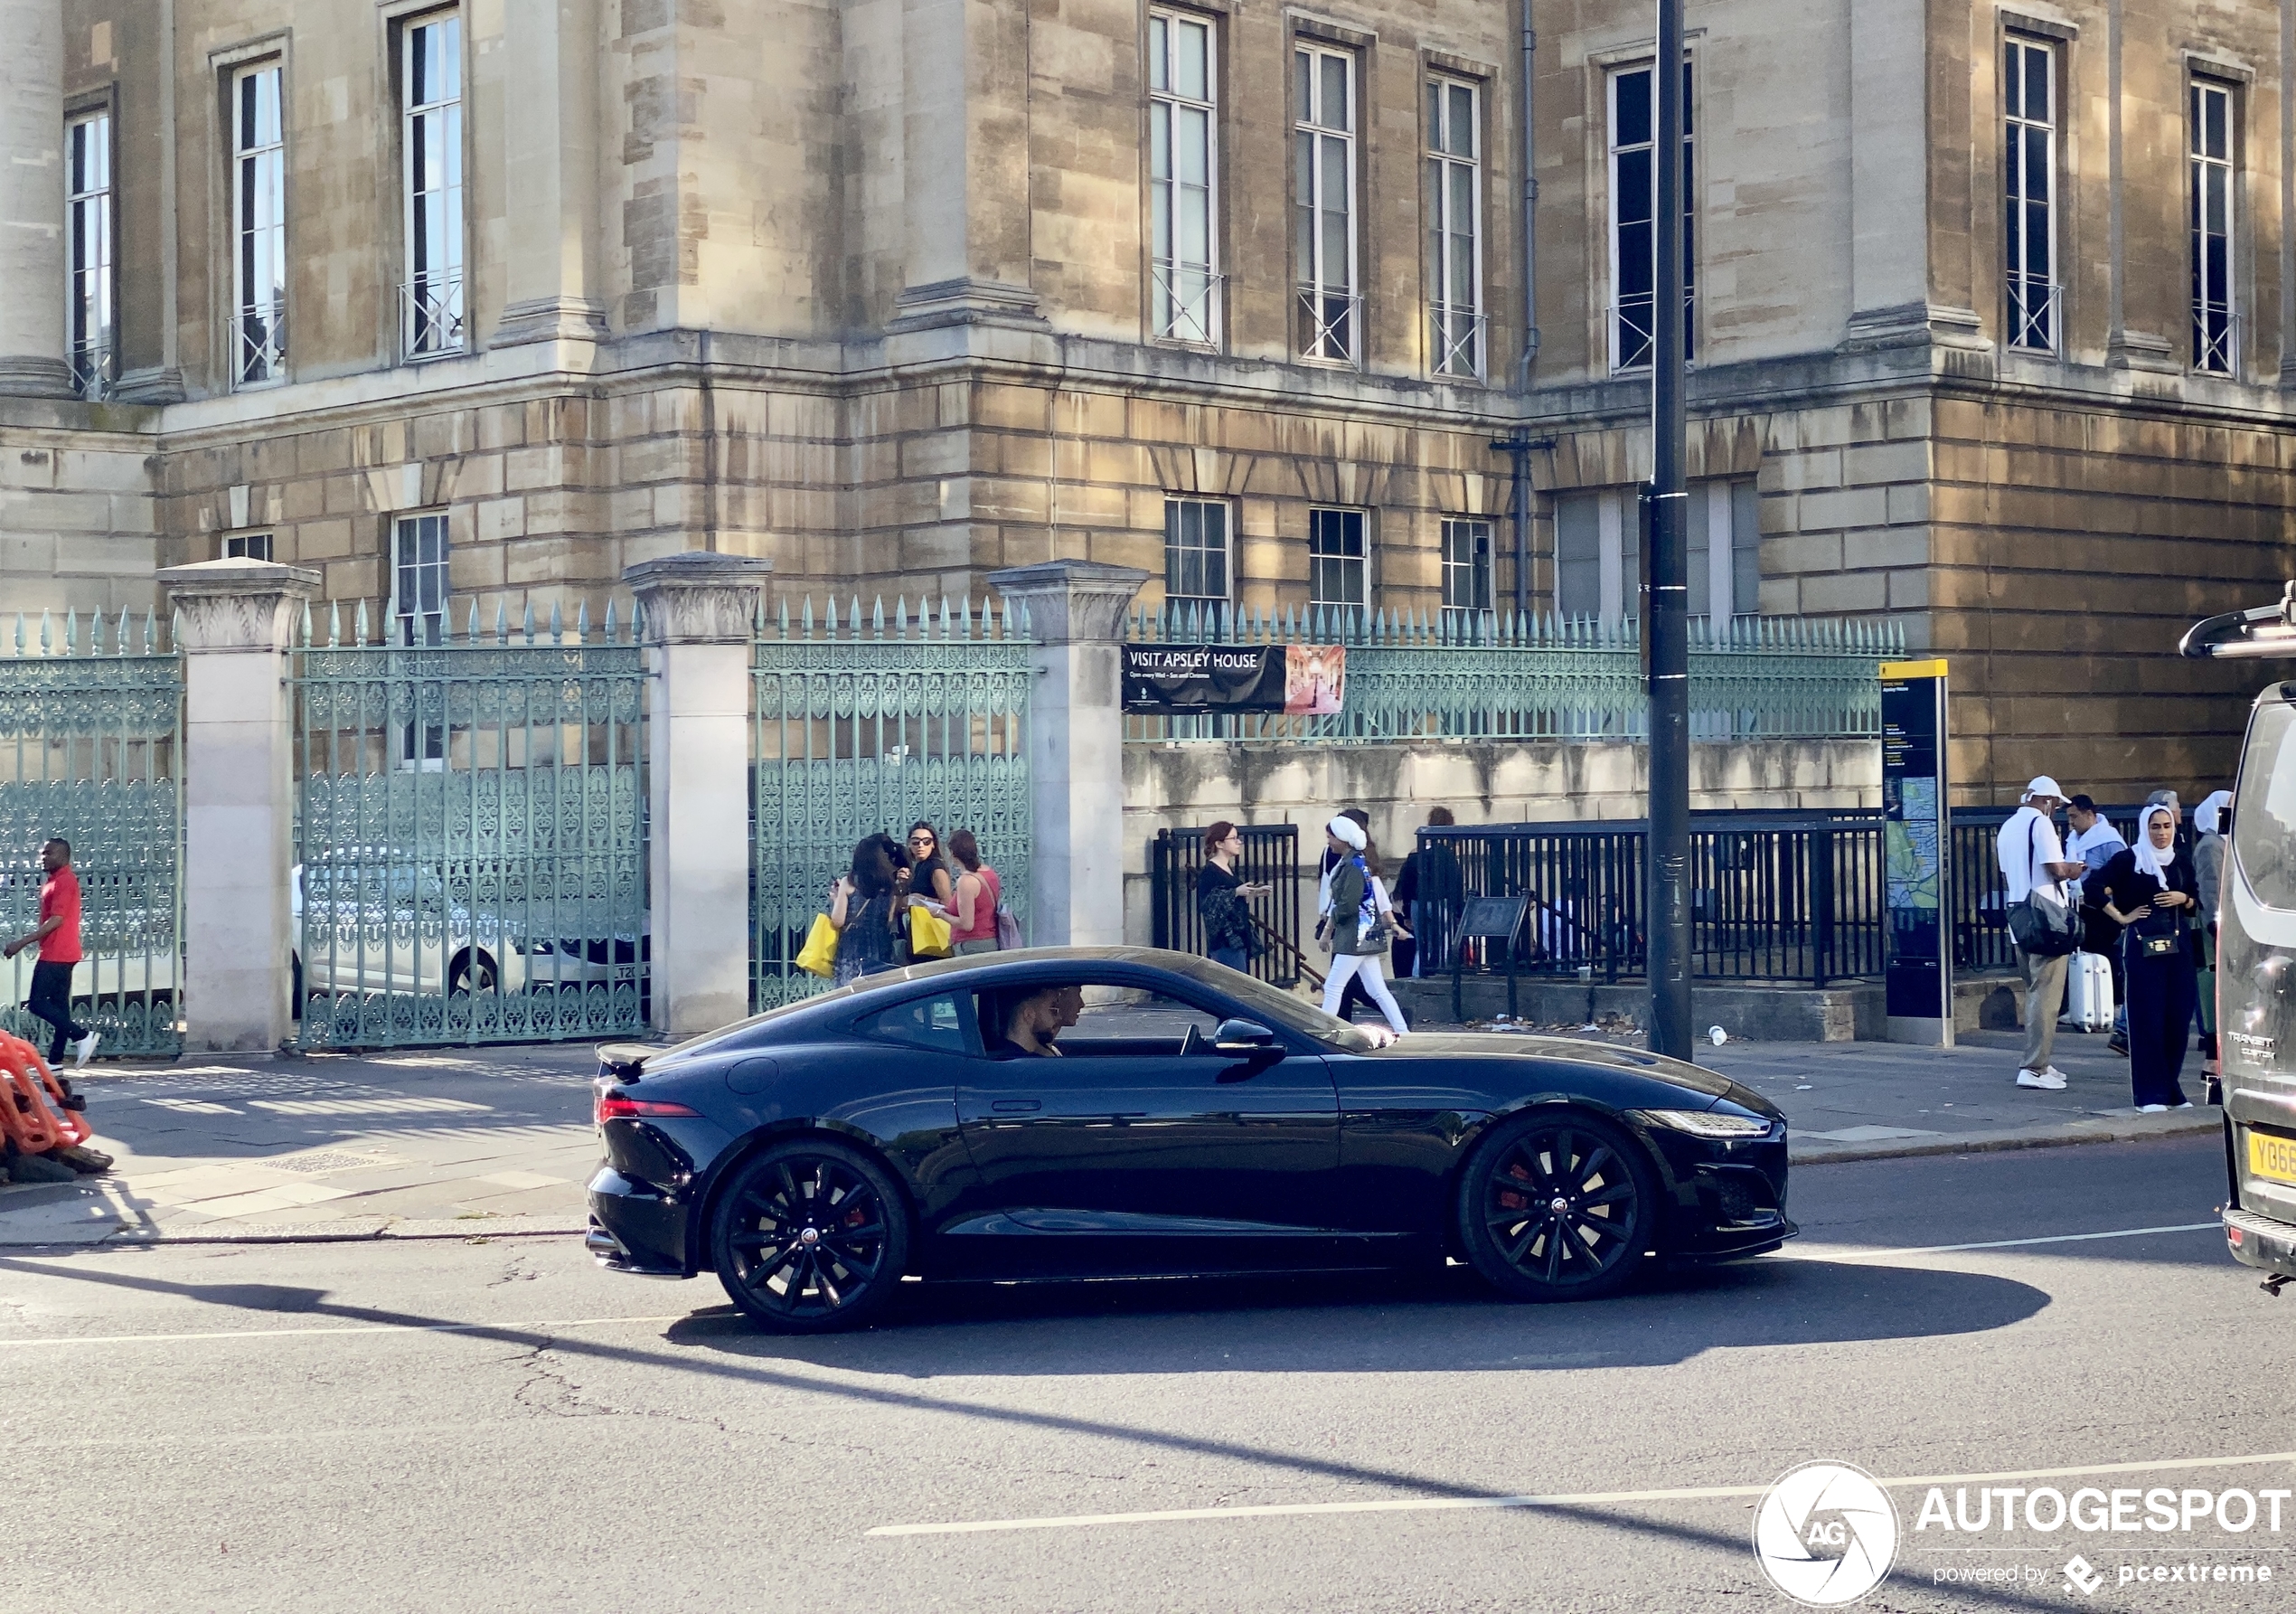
58, 936
865, 910
1429, 878
1223, 899
973, 902
2151, 891
1358, 924
1354, 996
2093, 841
2035, 869
2209, 826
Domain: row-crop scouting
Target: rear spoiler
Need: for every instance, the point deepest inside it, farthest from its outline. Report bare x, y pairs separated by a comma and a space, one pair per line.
2252, 635
623, 1061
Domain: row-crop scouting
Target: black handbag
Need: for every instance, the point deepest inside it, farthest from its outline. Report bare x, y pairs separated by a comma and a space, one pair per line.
2042, 926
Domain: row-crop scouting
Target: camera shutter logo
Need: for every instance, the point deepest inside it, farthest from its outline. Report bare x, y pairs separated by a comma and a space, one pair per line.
1825, 1535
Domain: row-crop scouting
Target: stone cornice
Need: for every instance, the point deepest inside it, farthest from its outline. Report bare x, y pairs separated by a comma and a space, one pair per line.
698, 597
236, 605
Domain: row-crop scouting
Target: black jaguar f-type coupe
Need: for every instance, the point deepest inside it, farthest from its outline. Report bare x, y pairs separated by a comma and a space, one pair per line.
1096, 1112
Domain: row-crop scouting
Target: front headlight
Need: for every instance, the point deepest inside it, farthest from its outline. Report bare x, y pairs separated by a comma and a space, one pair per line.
1708, 1123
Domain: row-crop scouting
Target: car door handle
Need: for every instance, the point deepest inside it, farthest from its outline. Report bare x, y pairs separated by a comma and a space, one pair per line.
1016, 1105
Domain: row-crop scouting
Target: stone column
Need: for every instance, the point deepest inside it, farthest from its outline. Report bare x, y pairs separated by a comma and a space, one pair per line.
1075, 746
549, 174
32, 200
965, 160
235, 618
699, 608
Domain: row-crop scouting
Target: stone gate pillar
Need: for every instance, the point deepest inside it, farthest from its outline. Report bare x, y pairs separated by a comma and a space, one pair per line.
235, 621
1075, 746
700, 609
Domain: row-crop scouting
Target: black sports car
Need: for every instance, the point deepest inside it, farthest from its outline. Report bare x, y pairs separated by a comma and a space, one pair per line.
1193, 1121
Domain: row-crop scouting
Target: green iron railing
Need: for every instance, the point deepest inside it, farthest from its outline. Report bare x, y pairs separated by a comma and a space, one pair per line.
91, 751
862, 727
471, 834
1499, 676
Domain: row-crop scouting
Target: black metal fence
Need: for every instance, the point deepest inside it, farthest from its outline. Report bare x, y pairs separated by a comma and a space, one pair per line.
1781, 895
1271, 857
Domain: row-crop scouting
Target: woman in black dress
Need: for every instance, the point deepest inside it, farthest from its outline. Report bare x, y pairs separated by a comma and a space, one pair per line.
2152, 894
863, 908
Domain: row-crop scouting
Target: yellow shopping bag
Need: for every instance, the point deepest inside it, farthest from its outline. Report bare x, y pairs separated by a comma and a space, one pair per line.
819, 955
929, 935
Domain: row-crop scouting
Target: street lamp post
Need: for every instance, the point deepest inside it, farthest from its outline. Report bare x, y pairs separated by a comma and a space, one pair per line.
1667, 618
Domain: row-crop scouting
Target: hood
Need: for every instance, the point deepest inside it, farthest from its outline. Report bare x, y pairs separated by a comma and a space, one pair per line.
1492, 1044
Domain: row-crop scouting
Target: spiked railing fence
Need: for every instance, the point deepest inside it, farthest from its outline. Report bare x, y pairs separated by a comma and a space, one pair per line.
1501, 676
91, 752
863, 725
471, 834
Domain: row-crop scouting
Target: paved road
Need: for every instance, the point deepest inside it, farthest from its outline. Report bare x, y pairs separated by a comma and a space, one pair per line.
496, 1425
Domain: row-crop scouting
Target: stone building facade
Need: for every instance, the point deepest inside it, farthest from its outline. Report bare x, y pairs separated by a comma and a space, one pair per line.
498, 299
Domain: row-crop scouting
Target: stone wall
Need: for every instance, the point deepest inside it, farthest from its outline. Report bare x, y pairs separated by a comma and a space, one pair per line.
78, 523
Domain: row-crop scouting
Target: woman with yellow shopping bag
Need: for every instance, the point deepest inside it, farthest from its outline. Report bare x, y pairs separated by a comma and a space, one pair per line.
863, 911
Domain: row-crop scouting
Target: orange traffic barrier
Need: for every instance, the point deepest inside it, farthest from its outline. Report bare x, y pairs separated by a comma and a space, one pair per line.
24, 1116
34, 1105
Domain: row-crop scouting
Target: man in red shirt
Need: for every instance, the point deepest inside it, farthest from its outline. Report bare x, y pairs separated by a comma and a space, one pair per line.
58, 934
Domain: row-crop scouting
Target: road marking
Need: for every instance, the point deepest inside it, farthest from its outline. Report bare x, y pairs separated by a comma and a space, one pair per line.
1569, 1499
1837, 1252
89, 1339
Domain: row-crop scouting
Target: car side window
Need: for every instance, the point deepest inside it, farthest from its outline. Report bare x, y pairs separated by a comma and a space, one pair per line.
934, 1023
1099, 1019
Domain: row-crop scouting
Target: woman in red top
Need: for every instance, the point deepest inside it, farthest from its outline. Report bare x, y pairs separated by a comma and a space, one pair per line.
972, 903
58, 934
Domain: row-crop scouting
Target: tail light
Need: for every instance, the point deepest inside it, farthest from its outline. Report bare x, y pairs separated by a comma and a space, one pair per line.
617, 1106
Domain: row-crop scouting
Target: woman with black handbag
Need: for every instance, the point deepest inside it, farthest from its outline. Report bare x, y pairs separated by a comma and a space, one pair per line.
2152, 894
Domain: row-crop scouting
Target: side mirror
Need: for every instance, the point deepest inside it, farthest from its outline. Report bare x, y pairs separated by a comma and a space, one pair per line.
1242, 1037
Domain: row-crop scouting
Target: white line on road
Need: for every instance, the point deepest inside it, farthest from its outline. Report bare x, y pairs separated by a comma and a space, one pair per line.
1573, 1499
89, 1339
1838, 1253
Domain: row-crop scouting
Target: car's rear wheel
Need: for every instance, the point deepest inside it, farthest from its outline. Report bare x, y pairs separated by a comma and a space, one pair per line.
1558, 1205
810, 1237
472, 972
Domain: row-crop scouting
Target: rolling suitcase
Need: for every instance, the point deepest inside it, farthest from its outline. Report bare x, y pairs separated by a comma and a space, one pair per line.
2088, 992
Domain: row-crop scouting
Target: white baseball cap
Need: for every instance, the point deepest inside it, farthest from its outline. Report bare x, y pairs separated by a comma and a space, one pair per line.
2044, 785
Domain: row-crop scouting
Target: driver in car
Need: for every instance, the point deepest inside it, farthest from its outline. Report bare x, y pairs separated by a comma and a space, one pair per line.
1034, 1021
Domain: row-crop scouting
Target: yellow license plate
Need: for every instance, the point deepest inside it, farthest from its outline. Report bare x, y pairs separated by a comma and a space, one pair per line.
2274, 1158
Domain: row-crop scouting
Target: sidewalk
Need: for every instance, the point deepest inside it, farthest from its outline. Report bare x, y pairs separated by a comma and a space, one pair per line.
481, 1143
421, 1142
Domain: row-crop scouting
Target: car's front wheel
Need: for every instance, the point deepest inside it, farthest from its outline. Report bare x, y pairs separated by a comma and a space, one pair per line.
1558, 1205
810, 1237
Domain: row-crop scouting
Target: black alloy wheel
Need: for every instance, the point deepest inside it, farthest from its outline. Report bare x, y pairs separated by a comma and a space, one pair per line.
1558, 1205
810, 1237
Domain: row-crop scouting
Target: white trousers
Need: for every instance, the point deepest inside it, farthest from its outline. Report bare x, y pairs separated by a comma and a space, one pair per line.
1375, 982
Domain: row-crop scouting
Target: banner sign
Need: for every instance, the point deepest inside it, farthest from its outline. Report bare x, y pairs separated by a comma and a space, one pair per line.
1183, 680
1918, 979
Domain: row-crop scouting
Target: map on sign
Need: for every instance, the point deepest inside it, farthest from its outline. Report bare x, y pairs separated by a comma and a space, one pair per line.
1912, 864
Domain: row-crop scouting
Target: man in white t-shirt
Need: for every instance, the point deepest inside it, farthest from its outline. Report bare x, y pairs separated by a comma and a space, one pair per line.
2031, 858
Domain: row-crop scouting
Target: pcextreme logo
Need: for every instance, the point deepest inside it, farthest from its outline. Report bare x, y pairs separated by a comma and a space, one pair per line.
1825, 1533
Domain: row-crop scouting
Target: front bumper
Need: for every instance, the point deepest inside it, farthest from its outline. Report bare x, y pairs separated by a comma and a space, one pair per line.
1726, 1200
2261, 1243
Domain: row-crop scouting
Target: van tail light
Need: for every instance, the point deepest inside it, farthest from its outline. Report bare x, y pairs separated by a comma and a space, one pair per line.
621, 1107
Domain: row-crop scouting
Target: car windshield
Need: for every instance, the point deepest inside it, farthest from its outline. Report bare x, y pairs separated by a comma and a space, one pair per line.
1279, 1007
2263, 820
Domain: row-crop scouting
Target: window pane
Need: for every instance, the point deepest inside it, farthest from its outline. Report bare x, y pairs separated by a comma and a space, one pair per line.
1463, 121
1158, 46
1745, 549
1632, 123
934, 1023
1194, 48
1335, 112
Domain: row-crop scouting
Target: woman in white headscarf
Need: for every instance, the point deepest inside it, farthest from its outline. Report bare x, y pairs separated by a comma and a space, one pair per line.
1358, 920
2152, 895
2209, 824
